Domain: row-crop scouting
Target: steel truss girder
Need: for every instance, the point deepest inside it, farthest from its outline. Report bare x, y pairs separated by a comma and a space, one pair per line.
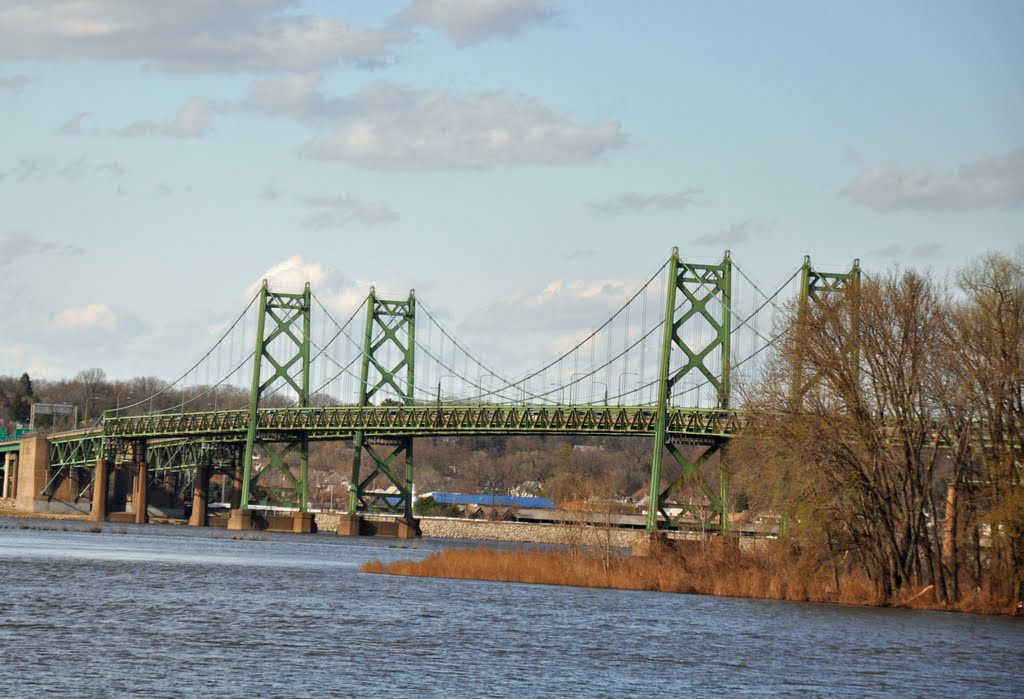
188, 454
78, 450
342, 422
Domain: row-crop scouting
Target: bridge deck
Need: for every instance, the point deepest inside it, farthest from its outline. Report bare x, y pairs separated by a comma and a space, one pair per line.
81, 447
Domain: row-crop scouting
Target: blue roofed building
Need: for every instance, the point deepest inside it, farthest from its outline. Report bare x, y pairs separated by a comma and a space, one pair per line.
489, 500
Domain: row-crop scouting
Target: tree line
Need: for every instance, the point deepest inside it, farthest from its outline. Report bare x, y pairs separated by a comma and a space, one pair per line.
886, 432
889, 431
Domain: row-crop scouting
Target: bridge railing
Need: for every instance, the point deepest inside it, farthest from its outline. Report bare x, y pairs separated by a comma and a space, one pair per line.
338, 422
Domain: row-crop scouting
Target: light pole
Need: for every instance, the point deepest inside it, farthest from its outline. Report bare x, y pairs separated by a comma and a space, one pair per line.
117, 402
482, 377
439, 380
621, 389
561, 392
572, 384
605, 391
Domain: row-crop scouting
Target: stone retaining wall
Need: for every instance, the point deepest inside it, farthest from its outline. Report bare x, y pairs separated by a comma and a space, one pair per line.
8, 504
522, 532
327, 521
570, 534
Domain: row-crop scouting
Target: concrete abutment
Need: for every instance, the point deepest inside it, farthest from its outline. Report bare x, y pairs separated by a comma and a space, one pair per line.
361, 525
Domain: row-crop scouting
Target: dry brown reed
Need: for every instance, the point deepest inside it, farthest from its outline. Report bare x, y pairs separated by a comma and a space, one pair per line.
711, 568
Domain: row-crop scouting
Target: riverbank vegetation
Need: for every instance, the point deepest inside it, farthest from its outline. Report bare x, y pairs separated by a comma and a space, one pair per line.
710, 567
884, 443
889, 432
886, 433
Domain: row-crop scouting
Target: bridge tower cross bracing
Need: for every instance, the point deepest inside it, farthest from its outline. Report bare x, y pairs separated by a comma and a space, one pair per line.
389, 349
817, 287
699, 285
284, 344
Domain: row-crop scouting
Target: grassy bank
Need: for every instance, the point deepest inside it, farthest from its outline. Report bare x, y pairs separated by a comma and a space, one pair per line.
708, 568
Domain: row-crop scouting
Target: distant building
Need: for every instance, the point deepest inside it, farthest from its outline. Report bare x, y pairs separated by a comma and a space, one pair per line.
493, 501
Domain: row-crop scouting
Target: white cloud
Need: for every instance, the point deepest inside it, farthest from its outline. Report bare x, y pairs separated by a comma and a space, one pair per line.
290, 275
14, 246
389, 127
340, 296
73, 126
917, 252
295, 95
270, 192
26, 169
15, 83
736, 233
91, 316
74, 169
334, 211
189, 35
41, 169
561, 305
546, 322
112, 168
985, 183
35, 360
193, 120
630, 202
473, 21
344, 301
138, 128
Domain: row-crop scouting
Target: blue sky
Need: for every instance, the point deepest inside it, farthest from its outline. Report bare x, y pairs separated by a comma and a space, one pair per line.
157, 160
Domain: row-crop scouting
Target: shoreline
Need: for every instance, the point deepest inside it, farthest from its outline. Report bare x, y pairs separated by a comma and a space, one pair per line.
680, 566
714, 570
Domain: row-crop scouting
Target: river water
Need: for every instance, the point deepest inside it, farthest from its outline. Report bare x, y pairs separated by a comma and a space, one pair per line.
161, 611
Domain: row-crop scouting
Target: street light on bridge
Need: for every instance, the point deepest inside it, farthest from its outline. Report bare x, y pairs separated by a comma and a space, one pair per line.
561, 392
481, 387
439, 380
572, 383
621, 389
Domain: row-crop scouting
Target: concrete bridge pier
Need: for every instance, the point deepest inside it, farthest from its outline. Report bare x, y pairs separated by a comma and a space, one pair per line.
140, 492
249, 520
349, 525
358, 525
33, 474
200, 497
10, 474
99, 491
236, 486
240, 520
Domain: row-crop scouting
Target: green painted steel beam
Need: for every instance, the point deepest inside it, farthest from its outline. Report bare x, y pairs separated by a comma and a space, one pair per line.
390, 333
343, 422
703, 289
282, 343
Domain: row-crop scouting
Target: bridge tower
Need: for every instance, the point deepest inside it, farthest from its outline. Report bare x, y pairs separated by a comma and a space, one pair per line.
388, 367
281, 360
818, 288
691, 290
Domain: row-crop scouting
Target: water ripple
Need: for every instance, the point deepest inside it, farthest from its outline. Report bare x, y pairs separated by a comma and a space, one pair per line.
175, 612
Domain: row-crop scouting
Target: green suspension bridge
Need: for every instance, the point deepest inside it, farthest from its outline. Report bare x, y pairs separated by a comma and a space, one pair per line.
285, 374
